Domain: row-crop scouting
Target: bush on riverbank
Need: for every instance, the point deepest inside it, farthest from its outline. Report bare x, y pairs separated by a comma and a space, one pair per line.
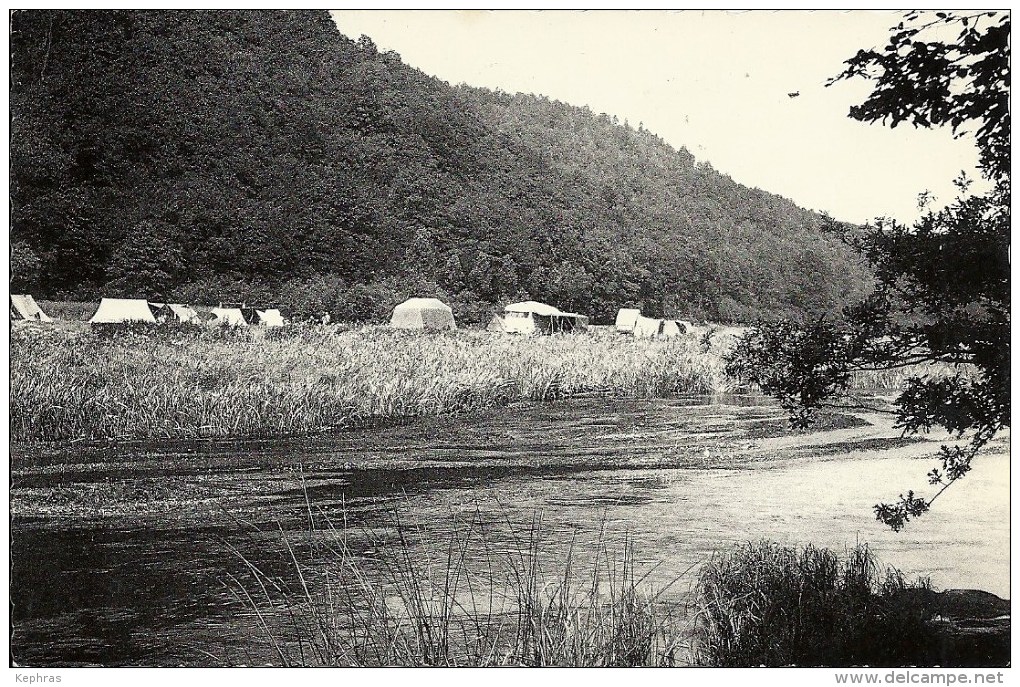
769, 605
179, 382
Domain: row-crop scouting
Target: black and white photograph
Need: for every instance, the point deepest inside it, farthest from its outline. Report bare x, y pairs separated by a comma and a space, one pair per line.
509, 338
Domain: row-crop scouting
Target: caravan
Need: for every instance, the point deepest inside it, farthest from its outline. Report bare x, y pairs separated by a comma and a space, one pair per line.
626, 318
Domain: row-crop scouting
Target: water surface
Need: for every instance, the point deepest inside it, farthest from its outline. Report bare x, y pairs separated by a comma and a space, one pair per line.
124, 555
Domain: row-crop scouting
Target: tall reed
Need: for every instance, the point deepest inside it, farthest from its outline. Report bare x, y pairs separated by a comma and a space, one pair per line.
420, 602
187, 382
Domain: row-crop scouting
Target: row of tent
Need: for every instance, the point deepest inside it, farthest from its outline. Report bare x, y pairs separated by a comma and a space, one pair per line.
528, 317
631, 321
117, 310
113, 310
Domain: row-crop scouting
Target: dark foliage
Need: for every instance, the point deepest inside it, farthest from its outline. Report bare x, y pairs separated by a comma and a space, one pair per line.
943, 283
264, 157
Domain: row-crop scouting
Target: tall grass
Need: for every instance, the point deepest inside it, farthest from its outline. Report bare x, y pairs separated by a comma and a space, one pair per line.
187, 382
894, 379
765, 604
406, 598
459, 604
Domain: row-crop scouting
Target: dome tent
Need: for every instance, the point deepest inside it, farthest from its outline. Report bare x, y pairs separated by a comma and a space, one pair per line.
423, 313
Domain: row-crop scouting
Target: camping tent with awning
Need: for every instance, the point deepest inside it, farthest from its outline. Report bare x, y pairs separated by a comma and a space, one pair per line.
532, 317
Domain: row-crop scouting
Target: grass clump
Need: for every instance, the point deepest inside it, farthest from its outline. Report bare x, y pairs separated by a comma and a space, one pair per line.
462, 603
768, 605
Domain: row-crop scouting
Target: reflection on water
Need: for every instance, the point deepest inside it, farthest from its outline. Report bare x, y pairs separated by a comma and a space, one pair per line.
149, 589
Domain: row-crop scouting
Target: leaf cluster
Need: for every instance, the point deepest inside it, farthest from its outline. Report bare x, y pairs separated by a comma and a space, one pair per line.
942, 284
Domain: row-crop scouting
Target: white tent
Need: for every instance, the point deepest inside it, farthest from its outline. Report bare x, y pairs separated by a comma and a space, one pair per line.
165, 312
270, 318
626, 318
123, 310
646, 327
669, 329
231, 316
184, 313
25, 308
650, 327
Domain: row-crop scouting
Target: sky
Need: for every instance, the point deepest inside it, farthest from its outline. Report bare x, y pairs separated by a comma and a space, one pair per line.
715, 82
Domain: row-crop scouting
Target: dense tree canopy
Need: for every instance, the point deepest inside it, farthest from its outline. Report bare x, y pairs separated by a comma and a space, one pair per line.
263, 156
942, 292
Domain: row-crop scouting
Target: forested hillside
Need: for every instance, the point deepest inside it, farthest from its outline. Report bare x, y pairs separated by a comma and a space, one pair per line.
263, 156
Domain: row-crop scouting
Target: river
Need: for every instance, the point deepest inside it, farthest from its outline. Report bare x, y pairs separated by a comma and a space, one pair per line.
123, 555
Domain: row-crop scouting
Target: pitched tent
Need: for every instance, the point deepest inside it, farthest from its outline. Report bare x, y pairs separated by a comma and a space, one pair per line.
183, 313
423, 313
113, 310
670, 329
626, 318
649, 328
646, 327
174, 312
270, 317
230, 316
25, 308
496, 324
250, 315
